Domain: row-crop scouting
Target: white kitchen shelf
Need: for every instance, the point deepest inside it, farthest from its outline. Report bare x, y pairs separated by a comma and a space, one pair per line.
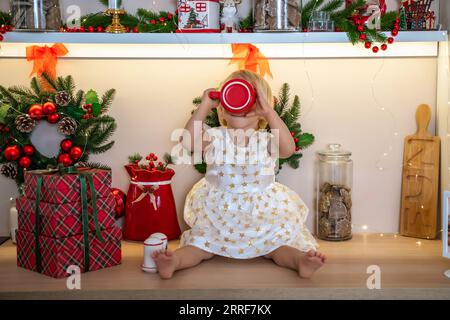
217, 45
208, 38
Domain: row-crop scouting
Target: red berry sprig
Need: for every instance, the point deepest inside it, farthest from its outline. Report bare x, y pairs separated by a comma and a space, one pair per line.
296, 140
359, 22
88, 110
4, 29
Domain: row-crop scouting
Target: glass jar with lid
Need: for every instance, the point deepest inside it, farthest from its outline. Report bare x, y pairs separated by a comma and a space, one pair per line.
35, 15
276, 15
334, 188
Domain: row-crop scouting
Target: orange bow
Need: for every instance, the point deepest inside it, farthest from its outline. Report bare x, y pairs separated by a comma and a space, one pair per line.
45, 58
249, 58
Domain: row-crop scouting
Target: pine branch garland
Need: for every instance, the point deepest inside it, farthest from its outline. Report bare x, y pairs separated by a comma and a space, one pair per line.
107, 99
49, 81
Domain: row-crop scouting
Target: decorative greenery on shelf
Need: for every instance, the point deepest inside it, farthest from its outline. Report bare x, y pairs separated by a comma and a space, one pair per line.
288, 113
80, 117
143, 21
343, 21
5, 18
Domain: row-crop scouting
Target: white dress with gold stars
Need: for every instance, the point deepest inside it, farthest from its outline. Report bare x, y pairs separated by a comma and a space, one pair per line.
238, 210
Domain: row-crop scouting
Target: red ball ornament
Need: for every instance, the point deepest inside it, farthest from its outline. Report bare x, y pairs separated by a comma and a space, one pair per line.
368, 45
384, 47
2, 30
360, 28
25, 162
362, 37
36, 112
53, 118
394, 32
12, 153
49, 108
169, 16
82, 29
91, 29
162, 19
295, 140
292, 133
390, 40
76, 153
152, 21
1, 37
66, 144
375, 49
121, 198
65, 159
28, 150
135, 29
99, 29
127, 29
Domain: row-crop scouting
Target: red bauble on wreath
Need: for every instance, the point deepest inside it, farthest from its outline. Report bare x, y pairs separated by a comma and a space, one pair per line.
65, 159
48, 108
76, 153
36, 112
66, 144
53, 118
12, 153
25, 162
28, 150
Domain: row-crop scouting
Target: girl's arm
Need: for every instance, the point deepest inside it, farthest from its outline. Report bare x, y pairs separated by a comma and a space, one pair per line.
286, 144
194, 126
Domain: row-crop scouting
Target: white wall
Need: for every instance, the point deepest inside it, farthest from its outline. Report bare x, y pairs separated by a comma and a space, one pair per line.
154, 98
344, 111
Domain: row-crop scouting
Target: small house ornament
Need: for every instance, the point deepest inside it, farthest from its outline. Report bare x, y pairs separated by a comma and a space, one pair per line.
198, 15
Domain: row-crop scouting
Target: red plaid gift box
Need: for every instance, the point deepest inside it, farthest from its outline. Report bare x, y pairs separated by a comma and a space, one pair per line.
63, 220
56, 255
57, 188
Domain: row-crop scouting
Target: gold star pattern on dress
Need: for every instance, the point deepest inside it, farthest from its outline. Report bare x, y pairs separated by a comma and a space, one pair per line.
239, 211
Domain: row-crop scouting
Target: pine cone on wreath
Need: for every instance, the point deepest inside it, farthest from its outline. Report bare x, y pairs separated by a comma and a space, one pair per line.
24, 123
62, 98
67, 126
9, 170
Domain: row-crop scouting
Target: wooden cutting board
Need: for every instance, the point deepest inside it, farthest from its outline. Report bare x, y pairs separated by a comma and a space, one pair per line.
420, 180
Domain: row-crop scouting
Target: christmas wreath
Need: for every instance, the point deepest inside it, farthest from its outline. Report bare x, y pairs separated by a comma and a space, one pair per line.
288, 113
77, 119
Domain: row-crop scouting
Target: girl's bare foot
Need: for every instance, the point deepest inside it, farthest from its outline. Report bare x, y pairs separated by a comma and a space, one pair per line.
165, 263
310, 263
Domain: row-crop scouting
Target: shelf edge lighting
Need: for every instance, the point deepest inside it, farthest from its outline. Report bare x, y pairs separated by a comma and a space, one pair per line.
223, 51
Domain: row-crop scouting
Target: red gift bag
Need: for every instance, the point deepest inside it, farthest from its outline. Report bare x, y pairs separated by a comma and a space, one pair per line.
150, 205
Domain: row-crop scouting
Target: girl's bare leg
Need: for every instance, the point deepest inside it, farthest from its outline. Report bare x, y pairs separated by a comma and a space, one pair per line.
167, 262
304, 263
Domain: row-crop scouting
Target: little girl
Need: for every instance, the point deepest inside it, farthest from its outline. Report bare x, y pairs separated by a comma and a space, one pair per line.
238, 210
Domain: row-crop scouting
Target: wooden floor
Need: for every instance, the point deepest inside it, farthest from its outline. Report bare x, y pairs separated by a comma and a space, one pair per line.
408, 270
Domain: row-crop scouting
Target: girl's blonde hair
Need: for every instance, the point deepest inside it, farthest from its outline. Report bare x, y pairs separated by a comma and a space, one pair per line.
250, 77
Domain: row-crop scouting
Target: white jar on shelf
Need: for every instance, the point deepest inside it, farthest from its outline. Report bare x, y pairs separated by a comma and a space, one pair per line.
277, 15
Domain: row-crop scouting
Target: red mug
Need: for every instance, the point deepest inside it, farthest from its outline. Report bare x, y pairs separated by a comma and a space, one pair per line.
237, 96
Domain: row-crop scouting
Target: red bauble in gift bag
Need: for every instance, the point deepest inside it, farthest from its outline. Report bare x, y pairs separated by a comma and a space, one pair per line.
150, 204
